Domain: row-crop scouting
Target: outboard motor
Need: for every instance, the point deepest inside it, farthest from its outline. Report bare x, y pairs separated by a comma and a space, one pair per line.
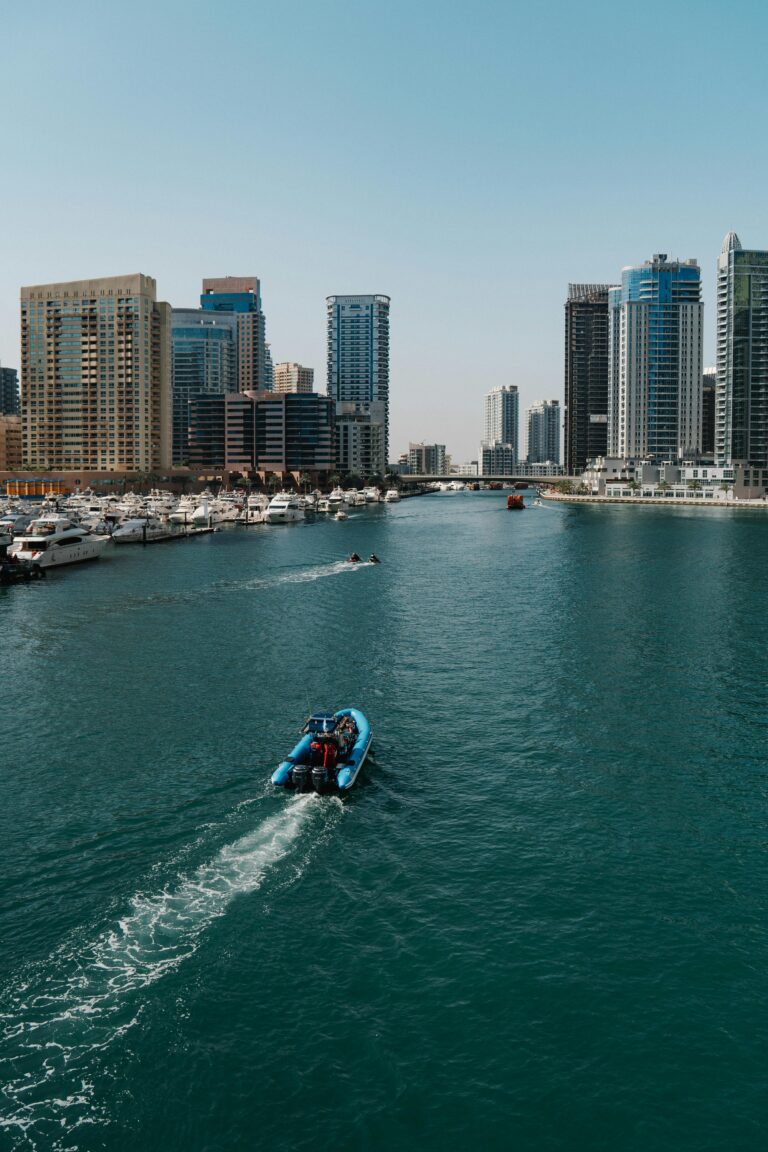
300, 774
320, 779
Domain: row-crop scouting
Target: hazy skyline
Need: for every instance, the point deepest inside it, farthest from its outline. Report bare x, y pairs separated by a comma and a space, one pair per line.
468, 161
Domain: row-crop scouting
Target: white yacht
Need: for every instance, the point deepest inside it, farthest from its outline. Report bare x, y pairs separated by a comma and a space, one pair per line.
284, 508
354, 498
141, 530
254, 510
336, 500
184, 510
54, 540
372, 495
14, 522
159, 502
323, 505
391, 496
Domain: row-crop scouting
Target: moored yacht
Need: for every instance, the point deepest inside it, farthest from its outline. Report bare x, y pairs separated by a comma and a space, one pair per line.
182, 513
141, 530
284, 508
372, 495
54, 540
391, 496
254, 510
336, 499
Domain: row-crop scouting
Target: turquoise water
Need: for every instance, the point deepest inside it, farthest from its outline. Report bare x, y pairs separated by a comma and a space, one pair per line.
538, 923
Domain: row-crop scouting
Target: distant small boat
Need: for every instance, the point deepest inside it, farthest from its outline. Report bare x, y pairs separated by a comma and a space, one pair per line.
341, 515
329, 755
515, 504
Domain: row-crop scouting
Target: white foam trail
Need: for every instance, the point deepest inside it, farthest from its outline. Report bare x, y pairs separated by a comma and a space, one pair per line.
307, 575
84, 998
188, 595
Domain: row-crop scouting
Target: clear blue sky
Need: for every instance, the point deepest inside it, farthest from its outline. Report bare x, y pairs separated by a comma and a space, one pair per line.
468, 159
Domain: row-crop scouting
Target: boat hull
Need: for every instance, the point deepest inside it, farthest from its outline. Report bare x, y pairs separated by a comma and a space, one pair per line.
346, 771
56, 557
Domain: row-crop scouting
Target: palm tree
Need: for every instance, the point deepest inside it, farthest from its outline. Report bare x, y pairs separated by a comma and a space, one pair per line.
694, 485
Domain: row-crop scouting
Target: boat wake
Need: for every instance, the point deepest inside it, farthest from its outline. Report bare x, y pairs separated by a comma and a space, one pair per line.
307, 575
55, 1024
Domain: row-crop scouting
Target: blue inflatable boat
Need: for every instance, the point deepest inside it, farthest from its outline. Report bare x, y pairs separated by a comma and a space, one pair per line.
330, 754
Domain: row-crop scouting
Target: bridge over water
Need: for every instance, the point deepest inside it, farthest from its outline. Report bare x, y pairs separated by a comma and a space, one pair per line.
504, 478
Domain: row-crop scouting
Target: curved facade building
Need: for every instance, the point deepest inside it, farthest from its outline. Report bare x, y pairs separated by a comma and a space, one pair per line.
655, 361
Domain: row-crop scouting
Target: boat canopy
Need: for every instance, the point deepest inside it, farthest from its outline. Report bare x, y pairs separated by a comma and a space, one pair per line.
321, 722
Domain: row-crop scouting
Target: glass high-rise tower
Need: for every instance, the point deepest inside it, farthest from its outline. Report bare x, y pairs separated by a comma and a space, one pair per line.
655, 361
543, 433
204, 361
241, 295
741, 401
586, 375
502, 408
358, 381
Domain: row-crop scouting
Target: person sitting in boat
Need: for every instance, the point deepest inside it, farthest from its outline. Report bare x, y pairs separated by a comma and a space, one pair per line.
347, 734
354, 558
373, 559
325, 752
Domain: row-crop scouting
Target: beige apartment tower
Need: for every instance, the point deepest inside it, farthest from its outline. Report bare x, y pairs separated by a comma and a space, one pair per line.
10, 443
293, 378
96, 376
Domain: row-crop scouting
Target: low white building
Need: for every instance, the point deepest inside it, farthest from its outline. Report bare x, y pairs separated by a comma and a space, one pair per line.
689, 479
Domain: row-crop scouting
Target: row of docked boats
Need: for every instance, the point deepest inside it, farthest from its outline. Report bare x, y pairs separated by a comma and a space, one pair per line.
78, 527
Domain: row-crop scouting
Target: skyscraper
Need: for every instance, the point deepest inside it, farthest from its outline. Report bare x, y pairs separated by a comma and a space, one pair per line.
741, 416
9, 392
204, 347
586, 375
96, 375
242, 296
290, 377
358, 380
654, 360
543, 432
502, 408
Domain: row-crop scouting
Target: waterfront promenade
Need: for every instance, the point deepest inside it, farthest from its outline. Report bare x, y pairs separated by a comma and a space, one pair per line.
672, 501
